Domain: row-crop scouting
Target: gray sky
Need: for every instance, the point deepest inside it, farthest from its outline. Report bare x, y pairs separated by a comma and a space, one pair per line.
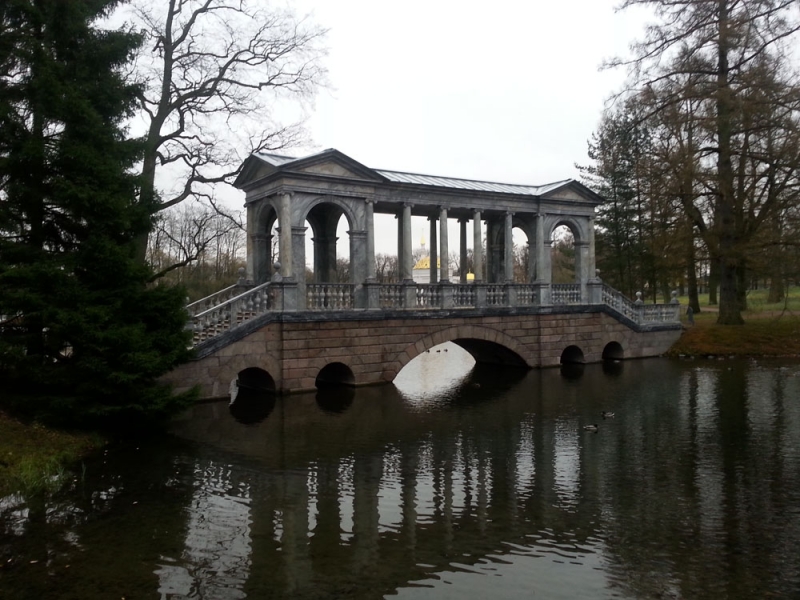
505, 91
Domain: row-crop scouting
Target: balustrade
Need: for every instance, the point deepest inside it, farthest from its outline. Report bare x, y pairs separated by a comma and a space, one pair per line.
329, 296
224, 310
565, 293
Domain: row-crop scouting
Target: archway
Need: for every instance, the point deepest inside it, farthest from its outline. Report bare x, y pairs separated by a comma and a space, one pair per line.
613, 351
254, 378
572, 355
252, 396
335, 374
564, 260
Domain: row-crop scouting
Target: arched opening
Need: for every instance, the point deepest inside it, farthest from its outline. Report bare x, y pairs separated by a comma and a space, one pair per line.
256, 379
613, 351
523, 265
564, 260
252, 396
435, 375
334, 375
572, 355
492, 353
327, 245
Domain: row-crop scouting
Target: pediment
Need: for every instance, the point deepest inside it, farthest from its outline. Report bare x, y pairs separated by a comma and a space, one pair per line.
332, 163
331, 168
573, 191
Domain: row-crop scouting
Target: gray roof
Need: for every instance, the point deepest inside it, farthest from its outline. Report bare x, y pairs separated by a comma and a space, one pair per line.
470, 184
279, 160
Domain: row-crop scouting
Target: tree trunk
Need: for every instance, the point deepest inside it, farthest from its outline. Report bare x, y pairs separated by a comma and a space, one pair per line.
713, 281
725, 223
691, 275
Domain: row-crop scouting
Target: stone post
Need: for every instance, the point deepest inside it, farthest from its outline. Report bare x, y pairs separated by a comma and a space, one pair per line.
406, 258
543, 271
581, 274
448, 292
299, 267
480, 295
285, 233
462, 254
370, 225
444, 253
477, 246
372, 291
433, 254
508, 247
358, 266
595, 287
259, 259
409, 294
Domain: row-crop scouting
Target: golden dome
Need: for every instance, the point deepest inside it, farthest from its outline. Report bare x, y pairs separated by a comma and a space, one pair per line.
425, 263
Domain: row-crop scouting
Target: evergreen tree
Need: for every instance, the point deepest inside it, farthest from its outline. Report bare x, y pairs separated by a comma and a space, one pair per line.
82, 336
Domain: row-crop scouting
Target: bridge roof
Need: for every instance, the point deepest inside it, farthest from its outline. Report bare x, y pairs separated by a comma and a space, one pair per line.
253, 169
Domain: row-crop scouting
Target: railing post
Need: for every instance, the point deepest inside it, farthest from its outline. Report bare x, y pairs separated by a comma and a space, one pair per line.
409, 294
372, 291
448, 291
511, 294
285, 297
542, 291
480, 295
595, 288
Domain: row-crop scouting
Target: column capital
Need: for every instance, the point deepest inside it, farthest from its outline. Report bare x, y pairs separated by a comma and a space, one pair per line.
298, 230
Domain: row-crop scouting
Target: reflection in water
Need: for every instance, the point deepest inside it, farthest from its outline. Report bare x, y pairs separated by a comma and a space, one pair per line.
690, 492
572, 371
252, 406
335, 399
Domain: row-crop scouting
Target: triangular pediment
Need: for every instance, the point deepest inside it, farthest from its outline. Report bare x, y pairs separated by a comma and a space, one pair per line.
572, 190
328, 163
332, 163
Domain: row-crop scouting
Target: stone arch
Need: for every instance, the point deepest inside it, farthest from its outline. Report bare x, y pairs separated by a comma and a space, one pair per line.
231, 366
347, 207
335, 374
329, 356
572, 355
613, 351
578, 226
462, 332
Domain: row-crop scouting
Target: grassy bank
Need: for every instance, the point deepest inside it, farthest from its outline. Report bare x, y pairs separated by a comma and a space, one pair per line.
35, 459
765, 333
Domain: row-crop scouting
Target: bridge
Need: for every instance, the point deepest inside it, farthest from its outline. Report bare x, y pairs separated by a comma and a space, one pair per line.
277, 330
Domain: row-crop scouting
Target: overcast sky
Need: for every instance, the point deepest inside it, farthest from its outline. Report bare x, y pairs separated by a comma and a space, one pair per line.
507, 90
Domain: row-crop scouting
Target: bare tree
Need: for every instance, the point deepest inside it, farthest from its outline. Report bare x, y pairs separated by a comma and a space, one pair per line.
212, 72
730, 61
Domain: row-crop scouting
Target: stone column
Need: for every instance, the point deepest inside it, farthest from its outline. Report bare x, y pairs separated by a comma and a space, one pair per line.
358, 265
285, 233
324, 258
370, 225
252, 245
444, 250
477, 246
434, 252
299, 264
543, 271
260, 256
508, 247
406, 258
400, 250
462, 254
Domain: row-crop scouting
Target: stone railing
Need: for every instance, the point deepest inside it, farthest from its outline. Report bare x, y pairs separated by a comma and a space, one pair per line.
215, 299
234, 309
329, 296
565, 293
391, 295
232, 312
465, 295
624, 306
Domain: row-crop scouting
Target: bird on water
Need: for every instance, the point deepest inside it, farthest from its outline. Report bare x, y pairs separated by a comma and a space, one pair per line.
607, 415
590, 427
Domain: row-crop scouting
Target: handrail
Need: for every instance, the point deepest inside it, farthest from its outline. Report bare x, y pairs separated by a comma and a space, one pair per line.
211, 300
237, 309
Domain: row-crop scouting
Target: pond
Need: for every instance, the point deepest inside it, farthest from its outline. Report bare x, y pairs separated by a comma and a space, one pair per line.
454, 484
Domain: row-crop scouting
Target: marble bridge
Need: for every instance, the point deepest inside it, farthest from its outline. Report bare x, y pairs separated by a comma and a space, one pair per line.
278, 330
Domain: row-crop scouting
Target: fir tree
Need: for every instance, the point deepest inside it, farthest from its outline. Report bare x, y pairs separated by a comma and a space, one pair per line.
82, 336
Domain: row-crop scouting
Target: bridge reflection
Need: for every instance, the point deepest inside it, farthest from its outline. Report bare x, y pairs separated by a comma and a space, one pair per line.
391, 495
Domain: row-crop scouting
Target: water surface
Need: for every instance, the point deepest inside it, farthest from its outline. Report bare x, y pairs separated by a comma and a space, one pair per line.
457, 485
